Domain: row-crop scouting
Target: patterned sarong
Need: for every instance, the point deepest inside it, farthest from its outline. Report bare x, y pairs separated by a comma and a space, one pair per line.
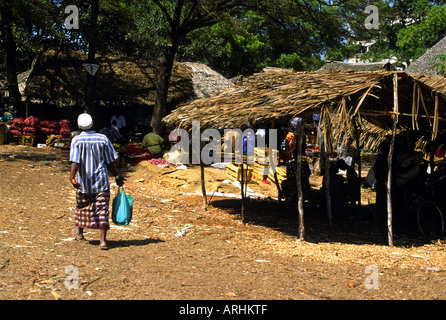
92, 210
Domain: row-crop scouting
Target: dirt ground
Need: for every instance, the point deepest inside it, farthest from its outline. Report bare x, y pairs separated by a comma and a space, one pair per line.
174, 249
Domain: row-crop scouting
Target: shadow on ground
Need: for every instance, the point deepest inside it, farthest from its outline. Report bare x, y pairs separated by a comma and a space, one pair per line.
357, 228
126, 243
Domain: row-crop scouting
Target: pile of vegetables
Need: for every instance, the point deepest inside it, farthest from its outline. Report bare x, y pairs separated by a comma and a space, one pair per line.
17, 125
31, 126
160, 162
48, 148
34, 127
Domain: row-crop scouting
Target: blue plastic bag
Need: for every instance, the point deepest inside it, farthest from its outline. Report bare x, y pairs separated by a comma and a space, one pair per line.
122, 208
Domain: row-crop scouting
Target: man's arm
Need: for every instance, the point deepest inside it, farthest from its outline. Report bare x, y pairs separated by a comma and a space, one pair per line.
73, 171
119, 178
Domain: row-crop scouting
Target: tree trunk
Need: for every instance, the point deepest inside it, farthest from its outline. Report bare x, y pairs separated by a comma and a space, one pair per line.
10, 48
90, 90
163, 82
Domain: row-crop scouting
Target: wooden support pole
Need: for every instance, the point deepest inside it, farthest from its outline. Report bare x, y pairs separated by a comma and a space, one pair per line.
327, 146
203, 186
415, 106
242, 187
420, 96
389, 162
358, 156
435, 124
300, 197
273, 163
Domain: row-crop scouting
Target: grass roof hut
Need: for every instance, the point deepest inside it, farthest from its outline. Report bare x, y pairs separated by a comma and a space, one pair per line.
424, 64
56, 83
386, 100
372, 66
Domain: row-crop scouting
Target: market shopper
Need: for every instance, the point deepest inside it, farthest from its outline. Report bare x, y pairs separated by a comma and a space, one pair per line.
91, 157
153, 142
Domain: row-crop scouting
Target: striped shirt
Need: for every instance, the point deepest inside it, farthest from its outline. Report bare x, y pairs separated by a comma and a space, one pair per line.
93, 152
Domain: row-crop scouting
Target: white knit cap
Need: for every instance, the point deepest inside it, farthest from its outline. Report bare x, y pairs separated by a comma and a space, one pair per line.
84, 121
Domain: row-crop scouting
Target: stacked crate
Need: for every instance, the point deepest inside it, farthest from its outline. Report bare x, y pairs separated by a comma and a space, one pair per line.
259, 169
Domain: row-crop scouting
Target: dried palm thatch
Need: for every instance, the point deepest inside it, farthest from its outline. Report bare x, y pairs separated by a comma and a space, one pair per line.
276, 94
285, 93
370, 136
268, 95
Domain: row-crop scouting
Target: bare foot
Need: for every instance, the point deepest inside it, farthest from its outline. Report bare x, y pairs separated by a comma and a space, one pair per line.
77, 235
103, 246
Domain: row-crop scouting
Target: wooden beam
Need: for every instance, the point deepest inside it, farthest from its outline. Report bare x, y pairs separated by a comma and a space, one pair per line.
435, 125
415, 106
389, 163
203, 186
327, 151
358, 155
363, 98
242, 187
379, 113
300, 197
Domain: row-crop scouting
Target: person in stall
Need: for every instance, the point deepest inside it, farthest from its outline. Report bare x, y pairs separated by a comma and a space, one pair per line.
289, 145
120, 121
408, 174
338, 190
351, 183
289, 186
154, 143
111, 132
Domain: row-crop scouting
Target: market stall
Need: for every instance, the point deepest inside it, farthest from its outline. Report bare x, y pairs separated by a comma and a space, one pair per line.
391, 101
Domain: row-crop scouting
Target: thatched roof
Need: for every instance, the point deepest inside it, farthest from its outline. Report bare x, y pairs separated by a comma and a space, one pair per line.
206, 82
58, 77
276, 94
423, 65
373, 66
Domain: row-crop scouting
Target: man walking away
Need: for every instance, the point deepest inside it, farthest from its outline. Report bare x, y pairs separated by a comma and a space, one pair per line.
91, 157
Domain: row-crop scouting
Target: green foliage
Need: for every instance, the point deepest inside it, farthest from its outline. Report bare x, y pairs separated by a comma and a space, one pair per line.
439, 64
291, 61
241, 40
407, 29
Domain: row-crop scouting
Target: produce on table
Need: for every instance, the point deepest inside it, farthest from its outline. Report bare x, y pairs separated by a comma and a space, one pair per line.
160, 162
